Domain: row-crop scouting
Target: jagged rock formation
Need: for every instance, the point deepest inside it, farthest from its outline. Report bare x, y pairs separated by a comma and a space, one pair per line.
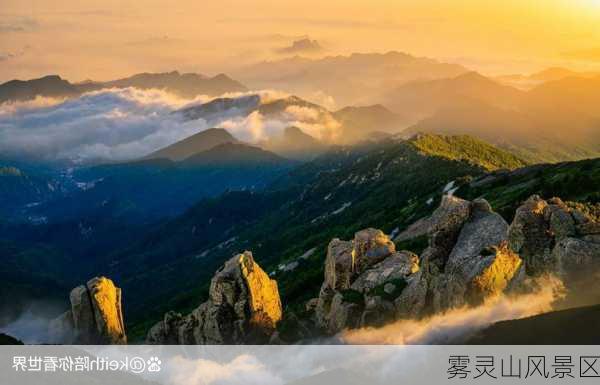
367, 282
361, 278
472, 254
551, 236
96, 316
243, 307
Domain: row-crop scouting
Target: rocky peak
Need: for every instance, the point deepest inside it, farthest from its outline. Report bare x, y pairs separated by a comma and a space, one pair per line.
444, 227
367, 282
356, 270
243, 307
96, 316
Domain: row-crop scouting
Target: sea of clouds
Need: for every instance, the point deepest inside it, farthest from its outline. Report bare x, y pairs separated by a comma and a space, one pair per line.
123, 124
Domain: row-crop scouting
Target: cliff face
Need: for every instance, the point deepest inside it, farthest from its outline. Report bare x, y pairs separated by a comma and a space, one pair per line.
243, 307
96, 316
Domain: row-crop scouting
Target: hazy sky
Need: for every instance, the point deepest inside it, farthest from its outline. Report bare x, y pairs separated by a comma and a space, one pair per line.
107, 38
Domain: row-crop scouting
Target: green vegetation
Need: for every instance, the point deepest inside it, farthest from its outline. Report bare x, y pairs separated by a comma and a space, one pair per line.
571, 181
467, 148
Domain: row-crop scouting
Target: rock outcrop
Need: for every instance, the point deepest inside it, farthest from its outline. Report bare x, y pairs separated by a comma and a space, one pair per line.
472, 262
362, 277
96, 316
553, 237
368, 283
472, 254
243, 307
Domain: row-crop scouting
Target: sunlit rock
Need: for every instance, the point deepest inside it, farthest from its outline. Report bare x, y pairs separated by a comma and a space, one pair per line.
243, 307
96, 316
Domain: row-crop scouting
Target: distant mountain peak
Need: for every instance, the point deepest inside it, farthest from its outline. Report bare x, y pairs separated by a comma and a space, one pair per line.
194, 144
237, 153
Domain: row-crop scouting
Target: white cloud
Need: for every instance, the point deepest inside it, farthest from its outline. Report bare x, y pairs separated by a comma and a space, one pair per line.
122, 124
113, 124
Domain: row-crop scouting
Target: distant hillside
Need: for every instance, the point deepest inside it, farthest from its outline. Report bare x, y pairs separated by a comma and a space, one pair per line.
360, 121
50, 86
185, 85
420, 99
153, 189
194, 144
564, 327
553, 122
468, 149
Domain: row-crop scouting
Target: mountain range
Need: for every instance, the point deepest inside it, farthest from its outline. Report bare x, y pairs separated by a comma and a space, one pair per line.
350, 80
186, 85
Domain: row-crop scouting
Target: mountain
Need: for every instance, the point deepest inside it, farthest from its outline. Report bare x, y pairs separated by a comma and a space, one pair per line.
420, 99
346, 126
360, 122
219, 107
151, 189
294, 143
25, 185
350, 80
194, 144
553, 122
49, 86
187, 85
234, 155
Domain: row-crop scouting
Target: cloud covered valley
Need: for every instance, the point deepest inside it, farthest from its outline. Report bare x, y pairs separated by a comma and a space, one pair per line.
129, 123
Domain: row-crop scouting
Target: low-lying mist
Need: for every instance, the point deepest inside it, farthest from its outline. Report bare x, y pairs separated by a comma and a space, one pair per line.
457, 325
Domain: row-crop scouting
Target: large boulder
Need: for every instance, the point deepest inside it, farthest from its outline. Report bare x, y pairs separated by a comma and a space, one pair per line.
481, 264
399, 265
243, 307
530, 237
446, 222
96, 316
339, 264
362, 277
370, 247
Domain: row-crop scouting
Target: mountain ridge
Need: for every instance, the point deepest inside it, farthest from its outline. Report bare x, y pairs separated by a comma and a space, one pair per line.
185, 85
